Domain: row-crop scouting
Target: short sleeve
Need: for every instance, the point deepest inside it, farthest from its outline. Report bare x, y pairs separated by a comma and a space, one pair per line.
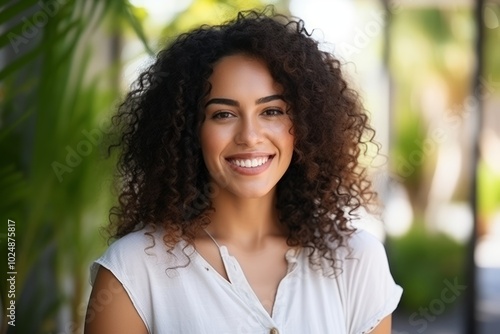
371, 291
126, 259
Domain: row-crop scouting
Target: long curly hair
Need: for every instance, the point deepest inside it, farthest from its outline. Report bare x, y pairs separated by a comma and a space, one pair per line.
163, 179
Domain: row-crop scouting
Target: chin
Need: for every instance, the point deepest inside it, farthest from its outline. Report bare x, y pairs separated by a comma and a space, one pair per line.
250, 193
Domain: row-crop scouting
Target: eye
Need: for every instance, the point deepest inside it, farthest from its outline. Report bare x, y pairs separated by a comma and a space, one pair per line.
222, 115
273, 112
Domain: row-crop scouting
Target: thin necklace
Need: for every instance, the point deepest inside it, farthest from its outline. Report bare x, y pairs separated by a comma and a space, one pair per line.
211, 237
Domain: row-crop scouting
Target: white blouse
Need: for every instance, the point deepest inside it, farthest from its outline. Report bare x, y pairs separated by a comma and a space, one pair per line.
193, 298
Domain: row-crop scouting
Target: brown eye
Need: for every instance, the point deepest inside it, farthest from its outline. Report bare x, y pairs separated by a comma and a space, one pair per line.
222, 115
273, 112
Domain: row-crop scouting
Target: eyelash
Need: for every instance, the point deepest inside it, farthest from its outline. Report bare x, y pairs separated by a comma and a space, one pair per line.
275, 112
227, 114
222, 115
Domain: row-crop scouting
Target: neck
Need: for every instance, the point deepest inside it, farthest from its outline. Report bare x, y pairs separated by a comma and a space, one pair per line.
244, 220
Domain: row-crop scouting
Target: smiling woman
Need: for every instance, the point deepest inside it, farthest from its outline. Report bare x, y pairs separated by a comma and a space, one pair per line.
240, 179
246, 136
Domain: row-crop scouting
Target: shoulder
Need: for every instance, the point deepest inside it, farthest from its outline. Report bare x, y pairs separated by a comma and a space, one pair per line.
361, 252
363, 244
356, 251
134, 245
142, 250
136, 241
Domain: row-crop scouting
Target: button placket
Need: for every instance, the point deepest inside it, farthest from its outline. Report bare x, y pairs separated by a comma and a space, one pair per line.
243, 289
237, 278
286, 285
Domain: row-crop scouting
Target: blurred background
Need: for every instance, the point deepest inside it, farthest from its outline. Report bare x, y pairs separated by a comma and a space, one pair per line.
428, 72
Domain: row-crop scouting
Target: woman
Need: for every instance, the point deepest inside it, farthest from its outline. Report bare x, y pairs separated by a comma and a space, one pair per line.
241, 177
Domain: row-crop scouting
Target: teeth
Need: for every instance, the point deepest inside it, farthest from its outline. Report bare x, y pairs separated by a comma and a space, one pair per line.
250, 163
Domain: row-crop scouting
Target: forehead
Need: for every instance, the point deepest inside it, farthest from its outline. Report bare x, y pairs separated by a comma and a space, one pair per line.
242, 74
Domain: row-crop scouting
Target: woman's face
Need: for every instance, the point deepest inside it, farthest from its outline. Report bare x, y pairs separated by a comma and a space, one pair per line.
246, 136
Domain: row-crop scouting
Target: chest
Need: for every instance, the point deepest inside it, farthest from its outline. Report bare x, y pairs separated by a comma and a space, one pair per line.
264, 271
260, 271
303, 302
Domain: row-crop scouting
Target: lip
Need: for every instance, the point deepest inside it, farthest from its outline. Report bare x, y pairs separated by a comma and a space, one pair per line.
250, 170
251, 155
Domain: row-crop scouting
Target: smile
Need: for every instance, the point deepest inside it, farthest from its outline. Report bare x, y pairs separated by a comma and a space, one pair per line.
249, 163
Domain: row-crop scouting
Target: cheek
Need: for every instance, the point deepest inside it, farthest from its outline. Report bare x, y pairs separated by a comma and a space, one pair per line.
280, 127
213, 141
283, 132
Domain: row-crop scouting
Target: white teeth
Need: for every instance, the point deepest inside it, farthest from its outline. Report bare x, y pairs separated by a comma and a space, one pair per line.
250, 163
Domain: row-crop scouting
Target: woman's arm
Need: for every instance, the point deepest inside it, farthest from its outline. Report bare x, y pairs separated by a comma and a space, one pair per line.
384, 327
110, 309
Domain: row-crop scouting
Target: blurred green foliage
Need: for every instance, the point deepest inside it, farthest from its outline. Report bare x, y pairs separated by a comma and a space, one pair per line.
54, 181
421, 261
489, 175
432, 48
492, 39
489, 189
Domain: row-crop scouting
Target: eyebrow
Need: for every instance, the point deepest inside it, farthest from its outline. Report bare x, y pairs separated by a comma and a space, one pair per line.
234, 103
269, 99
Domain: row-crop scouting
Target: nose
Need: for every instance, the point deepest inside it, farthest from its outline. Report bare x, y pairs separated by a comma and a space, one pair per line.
249, 132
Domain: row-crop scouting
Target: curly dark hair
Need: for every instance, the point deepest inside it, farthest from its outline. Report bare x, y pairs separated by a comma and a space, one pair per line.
164, 180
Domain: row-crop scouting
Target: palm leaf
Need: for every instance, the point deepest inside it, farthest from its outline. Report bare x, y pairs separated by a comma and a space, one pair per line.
59, 100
